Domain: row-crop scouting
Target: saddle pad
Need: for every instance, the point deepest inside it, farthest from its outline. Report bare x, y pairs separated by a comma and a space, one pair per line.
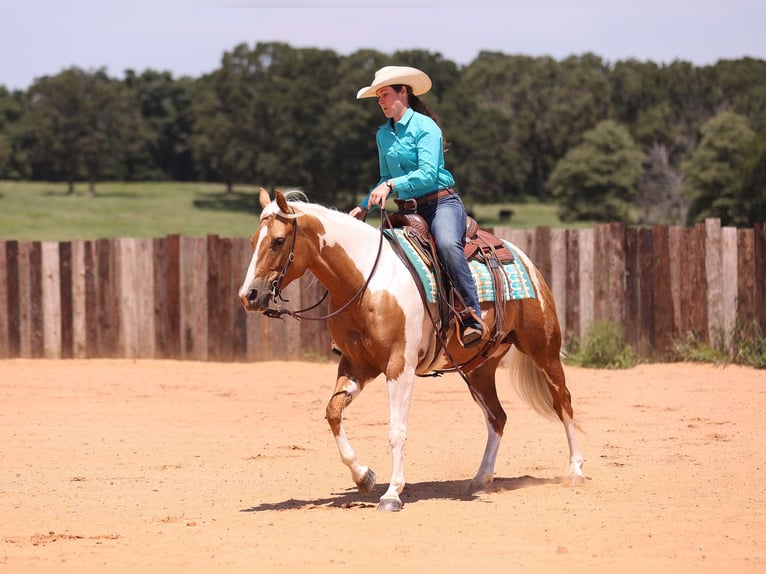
517, 282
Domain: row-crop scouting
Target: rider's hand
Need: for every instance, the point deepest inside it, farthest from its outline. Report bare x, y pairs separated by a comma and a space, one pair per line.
359, 212
379, 194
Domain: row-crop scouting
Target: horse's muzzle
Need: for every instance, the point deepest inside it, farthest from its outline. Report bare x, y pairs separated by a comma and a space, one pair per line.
251, 300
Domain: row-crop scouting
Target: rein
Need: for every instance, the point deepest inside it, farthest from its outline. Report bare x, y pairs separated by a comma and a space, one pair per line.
300, 314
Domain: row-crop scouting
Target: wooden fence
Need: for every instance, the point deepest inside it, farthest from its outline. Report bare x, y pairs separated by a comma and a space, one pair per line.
176, 297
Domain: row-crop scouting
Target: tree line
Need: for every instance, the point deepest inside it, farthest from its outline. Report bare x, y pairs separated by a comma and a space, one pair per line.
631, 141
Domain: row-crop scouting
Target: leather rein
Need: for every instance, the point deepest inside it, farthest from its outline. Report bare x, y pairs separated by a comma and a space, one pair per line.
276, 285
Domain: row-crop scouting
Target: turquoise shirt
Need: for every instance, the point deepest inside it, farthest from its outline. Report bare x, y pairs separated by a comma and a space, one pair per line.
411, 155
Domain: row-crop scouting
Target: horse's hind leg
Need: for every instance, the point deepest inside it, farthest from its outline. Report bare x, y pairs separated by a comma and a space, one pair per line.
542, 384
562, 405
347, 388
482, 386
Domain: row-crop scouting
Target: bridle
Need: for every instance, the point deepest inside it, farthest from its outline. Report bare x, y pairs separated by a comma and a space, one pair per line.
276, 285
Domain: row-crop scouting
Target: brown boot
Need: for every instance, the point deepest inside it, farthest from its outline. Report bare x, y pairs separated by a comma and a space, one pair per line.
473, 330
471, 336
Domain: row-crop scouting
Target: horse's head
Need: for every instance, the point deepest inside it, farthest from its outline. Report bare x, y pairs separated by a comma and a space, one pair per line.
273, 264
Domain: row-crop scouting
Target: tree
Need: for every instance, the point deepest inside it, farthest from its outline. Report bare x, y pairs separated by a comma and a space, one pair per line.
715, 173
753, 197
596, 180
83, 124
166, 107
223, 143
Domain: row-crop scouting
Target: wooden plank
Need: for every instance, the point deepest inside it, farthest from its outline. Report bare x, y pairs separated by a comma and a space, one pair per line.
125, 260
714, 278
615, 257
632, 324
240, 256
729, 282
165, 272
79, 302
646, 289
600, 274
144, 286
695, 293
759, 251
14, 298
559, 274
193, 298
92, 314
290, 343
65, 278
542, 251
675, 234
36, 341
746, 311
663, 301
50, 295
220, 298
4, 330
572, 284
25, 319
106, 294
586, 280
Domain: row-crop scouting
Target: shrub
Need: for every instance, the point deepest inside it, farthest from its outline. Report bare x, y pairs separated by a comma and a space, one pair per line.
604, 347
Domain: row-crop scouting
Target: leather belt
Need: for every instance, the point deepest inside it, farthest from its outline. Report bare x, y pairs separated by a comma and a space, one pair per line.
414, 203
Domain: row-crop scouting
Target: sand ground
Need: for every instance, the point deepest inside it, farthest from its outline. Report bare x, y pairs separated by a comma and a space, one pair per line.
159, 464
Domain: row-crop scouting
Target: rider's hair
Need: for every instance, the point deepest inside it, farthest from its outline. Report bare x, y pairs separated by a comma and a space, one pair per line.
420, 106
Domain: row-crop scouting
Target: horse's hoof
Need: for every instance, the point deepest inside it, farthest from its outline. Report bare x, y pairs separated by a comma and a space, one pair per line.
367, 483
389, 505
574, 480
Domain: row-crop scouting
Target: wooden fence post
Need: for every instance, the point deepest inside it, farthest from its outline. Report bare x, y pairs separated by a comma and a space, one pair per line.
586, 255
729, 282
572, 284
51, 299
4, 328
746, 309
759, 250
662, 300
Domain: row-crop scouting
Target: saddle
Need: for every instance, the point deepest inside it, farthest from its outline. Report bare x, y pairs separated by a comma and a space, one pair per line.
481, 246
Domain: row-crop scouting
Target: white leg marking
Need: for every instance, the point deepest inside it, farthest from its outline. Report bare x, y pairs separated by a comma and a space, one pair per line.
486, 472
399, 398
347, 453
576, 476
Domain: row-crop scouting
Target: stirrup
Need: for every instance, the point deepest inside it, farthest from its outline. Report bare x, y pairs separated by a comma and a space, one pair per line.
471, 330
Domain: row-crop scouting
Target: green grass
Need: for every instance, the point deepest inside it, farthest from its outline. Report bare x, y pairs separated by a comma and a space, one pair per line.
44, 211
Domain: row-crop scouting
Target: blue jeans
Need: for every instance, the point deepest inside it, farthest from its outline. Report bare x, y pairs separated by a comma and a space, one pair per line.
446, 220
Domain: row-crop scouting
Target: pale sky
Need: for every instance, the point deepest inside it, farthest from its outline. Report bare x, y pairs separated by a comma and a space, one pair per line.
188, 37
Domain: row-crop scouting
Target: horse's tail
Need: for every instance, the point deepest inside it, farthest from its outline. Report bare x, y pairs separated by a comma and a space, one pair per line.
530, 384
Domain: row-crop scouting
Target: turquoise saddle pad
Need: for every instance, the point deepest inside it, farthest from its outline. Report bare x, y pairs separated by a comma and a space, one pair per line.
517, 284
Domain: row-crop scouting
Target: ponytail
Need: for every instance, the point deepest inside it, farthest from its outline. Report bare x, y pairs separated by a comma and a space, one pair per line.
420, 106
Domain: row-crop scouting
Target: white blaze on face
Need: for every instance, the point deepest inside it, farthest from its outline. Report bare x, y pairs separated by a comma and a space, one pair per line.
250, 275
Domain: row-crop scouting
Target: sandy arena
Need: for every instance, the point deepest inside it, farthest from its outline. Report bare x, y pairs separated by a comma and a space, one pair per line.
163, 464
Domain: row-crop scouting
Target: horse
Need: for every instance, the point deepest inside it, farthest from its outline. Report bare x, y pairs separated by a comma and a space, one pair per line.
380, 325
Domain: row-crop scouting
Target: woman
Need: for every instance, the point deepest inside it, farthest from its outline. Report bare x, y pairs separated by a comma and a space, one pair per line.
411, 156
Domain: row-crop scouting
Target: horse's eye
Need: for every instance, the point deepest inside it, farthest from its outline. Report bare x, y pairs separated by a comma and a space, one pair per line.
277, 242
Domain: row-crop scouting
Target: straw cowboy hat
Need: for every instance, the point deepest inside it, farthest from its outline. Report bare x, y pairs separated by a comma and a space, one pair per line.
395, 75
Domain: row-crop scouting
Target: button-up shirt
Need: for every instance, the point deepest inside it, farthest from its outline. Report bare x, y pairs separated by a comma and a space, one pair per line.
411, 155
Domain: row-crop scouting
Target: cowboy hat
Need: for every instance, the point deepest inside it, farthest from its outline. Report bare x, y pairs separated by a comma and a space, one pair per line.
395, 75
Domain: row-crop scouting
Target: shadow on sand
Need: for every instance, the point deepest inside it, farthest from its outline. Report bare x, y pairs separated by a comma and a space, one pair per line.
415, 492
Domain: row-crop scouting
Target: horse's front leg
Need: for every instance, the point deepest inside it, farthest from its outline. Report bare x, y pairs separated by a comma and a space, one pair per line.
399, 398
346, 389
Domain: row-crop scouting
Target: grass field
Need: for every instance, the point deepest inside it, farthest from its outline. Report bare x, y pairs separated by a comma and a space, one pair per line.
43, 211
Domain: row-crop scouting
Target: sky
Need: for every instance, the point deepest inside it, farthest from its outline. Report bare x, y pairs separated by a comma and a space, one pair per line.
188, 37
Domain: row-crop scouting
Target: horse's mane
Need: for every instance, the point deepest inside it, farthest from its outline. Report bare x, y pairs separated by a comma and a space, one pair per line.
300, 203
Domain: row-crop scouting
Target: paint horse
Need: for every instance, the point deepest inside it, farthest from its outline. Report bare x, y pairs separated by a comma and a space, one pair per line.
385, 329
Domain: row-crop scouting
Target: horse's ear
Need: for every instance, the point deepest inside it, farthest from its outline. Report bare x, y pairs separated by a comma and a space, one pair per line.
281, 201
264, 197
